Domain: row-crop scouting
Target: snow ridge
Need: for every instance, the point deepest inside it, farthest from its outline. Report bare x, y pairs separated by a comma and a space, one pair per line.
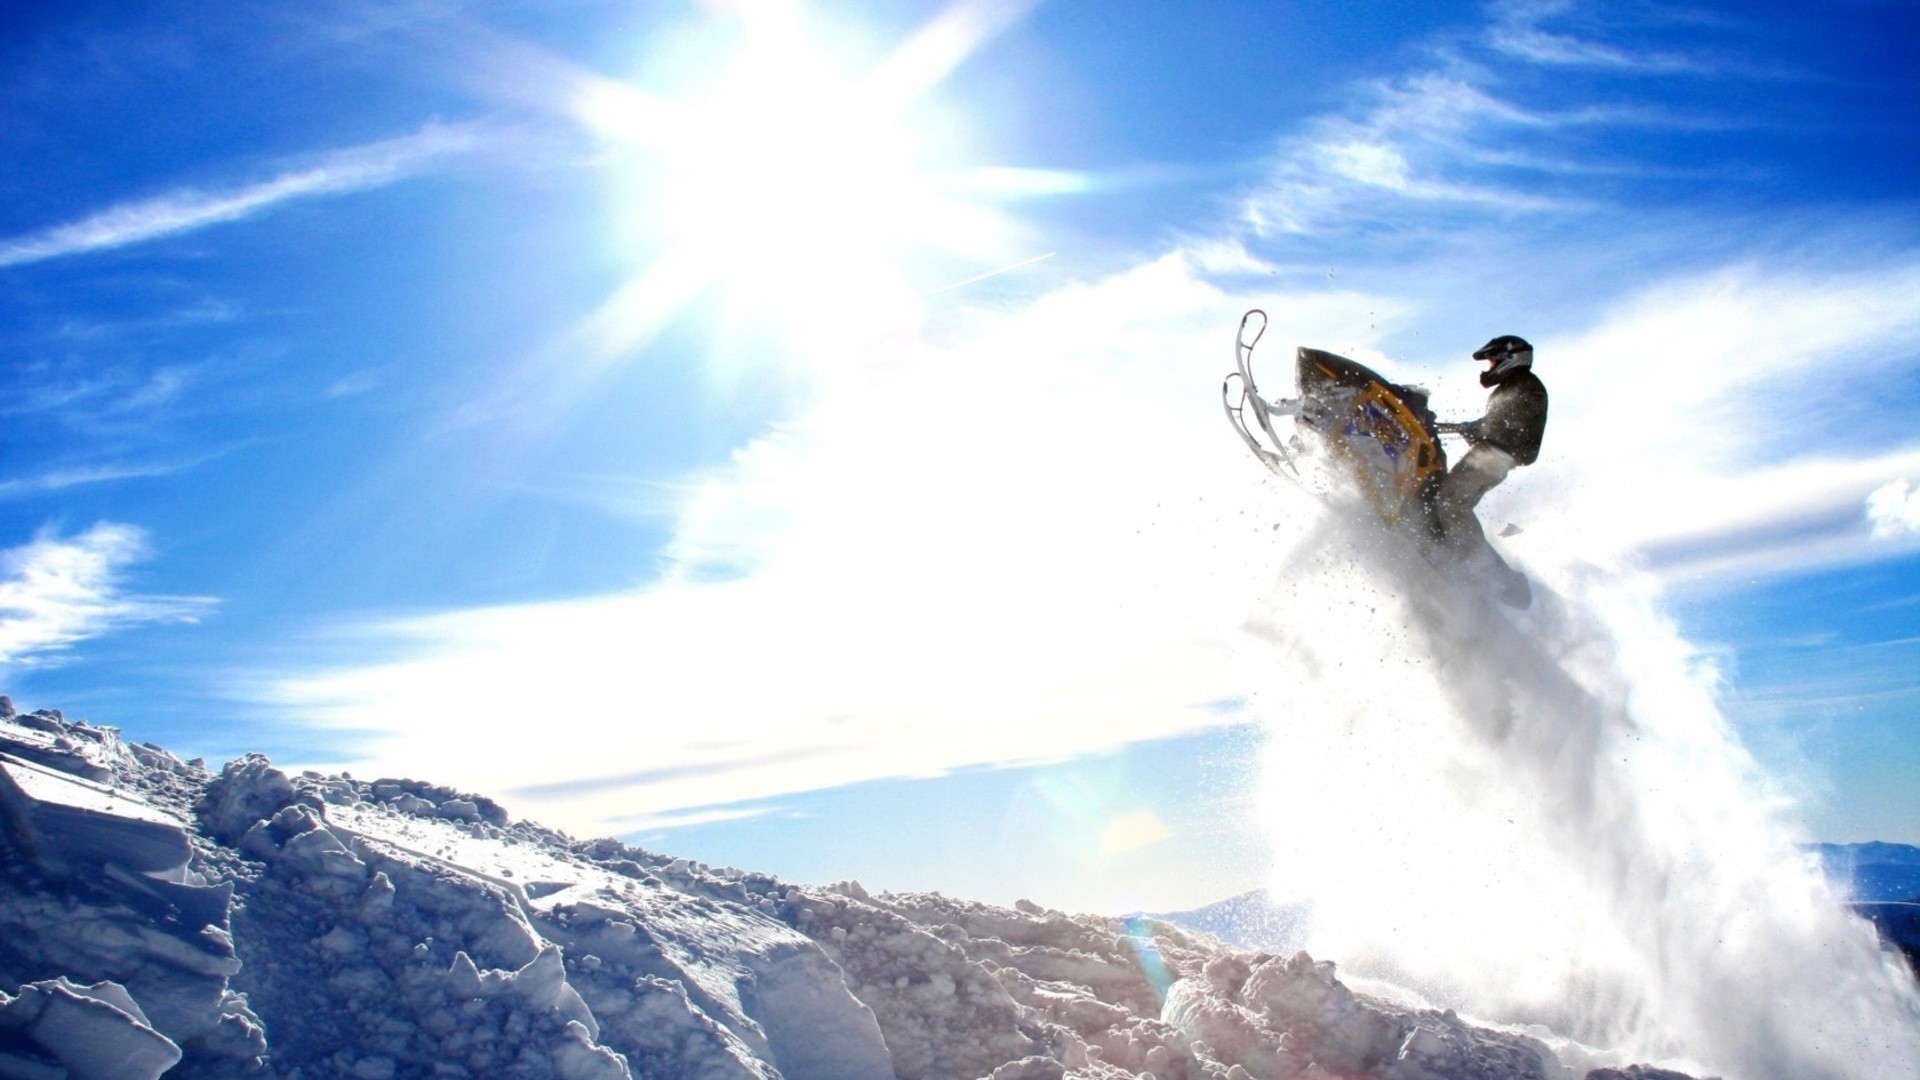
158, 918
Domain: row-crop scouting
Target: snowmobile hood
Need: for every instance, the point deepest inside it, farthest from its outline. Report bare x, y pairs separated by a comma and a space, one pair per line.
1321, 374
1383, 434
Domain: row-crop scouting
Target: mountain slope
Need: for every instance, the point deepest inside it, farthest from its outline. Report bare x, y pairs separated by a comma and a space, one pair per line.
156, 917
1881, 882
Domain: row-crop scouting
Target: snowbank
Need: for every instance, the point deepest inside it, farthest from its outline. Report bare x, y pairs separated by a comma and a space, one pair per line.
157, 918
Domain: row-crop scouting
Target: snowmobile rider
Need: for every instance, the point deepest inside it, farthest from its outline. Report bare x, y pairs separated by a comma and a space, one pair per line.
1508, 435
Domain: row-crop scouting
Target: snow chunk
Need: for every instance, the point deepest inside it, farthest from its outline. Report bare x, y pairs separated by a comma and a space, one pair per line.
249, 790
1276, 1017
96, 1032
67, 821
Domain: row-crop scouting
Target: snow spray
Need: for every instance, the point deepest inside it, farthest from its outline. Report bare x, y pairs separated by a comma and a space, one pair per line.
1541, 818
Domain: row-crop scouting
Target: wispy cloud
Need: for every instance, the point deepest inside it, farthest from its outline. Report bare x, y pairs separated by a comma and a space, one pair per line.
1413, 146
1478, 128
1575, 35
351, 169
1032, 596
55, 592
1541, 47
353, 385
657, 823
95, 396
1702, 369
95, 330
645, 777
62, 479
1823, 681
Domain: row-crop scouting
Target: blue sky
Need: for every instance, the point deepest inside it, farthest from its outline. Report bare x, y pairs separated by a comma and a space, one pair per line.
521, 396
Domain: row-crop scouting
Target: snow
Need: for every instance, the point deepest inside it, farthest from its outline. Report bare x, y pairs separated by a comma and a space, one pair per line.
1544, 817
92, 824
1281, 1017
94, 1031
322, 926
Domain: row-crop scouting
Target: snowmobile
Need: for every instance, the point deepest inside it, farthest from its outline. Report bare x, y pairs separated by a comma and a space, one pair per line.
1353, 431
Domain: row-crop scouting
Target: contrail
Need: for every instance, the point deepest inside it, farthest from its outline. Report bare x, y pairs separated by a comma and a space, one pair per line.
353, 169
991, 273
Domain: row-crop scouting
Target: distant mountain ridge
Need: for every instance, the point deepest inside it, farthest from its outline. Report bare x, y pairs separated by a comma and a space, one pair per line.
1252, 920
1881, 882
1873, 872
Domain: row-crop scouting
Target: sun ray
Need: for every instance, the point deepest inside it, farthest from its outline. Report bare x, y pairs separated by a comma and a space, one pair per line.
801, 193
932, 54
643, 306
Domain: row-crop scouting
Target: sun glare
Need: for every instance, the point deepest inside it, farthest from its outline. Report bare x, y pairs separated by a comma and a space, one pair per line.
791, 184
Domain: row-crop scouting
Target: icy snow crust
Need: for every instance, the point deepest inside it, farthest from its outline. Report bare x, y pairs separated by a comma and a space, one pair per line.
320, 926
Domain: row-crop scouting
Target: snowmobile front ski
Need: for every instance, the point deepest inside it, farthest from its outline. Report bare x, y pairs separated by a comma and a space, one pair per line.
1273, 455
1363, 433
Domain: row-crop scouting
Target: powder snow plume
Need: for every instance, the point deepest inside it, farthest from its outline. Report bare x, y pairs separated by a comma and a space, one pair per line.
1542, 817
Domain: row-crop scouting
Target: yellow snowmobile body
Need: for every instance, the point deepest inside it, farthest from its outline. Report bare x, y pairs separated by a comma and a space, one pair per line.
1360, 432
1382, 434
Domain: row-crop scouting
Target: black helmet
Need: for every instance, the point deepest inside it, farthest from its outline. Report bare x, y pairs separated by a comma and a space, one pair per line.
1507, 350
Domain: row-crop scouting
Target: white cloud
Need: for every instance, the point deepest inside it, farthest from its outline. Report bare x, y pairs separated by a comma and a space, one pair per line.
1699, 422
1030, 544
55, 592
1381, 166
1894, 509
351, 169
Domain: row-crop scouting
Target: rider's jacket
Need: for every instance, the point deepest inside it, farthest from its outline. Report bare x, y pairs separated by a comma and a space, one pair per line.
1516, 415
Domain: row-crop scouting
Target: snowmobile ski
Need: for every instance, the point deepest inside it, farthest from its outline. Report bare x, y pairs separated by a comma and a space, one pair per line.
1273, 454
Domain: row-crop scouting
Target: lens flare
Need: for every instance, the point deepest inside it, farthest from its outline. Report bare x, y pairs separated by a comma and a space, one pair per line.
1139, 937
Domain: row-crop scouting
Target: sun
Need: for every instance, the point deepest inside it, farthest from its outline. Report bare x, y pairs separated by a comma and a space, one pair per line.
794, 185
